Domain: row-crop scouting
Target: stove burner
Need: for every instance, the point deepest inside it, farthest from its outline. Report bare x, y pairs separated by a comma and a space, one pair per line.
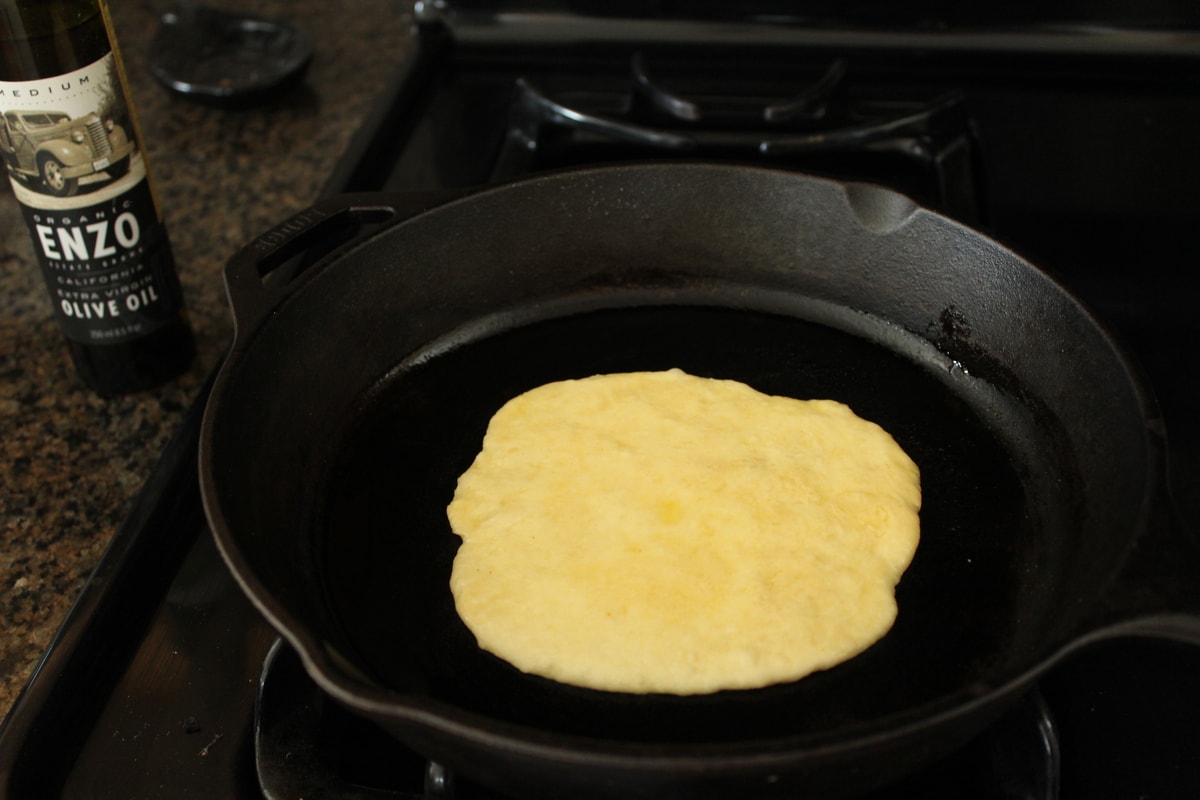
925, 146
306, 745
808, 105
659, 98
811, 103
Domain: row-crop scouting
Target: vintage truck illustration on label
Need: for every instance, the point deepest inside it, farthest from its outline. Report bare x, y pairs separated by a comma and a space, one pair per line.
50, 152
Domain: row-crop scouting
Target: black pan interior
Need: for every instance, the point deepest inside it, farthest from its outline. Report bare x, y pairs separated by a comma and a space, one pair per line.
971, 605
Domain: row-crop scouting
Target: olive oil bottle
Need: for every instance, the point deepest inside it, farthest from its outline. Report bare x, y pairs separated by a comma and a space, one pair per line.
70, 142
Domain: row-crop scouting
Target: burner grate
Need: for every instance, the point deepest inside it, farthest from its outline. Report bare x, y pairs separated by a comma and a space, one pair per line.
924, 147
308, 746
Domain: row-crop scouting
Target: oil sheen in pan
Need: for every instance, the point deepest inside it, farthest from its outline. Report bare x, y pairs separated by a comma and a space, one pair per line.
388, 548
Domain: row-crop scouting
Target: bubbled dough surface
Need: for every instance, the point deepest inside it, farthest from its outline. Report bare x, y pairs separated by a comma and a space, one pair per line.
660, 532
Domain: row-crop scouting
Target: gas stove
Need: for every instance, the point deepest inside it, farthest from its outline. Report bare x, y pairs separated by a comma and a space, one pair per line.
1070, 140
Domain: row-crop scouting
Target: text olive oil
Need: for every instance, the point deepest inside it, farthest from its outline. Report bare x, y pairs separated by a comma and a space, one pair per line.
70, 143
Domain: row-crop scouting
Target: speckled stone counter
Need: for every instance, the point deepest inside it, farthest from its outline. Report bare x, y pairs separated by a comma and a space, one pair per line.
72, 462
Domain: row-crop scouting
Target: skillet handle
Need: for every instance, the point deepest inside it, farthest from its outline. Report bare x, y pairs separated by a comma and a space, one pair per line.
286, 251
1157, 592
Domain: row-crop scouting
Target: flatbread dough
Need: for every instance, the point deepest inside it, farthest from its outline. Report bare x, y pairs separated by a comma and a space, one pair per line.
660, 532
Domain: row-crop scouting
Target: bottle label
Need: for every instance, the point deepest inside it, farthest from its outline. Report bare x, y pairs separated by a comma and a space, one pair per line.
69, 145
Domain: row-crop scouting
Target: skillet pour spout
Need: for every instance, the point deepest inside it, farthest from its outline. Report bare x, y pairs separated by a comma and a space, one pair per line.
358, 391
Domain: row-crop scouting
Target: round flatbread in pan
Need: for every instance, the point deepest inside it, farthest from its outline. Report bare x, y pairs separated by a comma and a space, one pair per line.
660, 532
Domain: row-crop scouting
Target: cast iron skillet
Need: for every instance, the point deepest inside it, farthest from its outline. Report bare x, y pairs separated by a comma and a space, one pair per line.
354, 396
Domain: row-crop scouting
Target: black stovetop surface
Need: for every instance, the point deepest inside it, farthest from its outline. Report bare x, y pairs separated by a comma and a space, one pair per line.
1085, 164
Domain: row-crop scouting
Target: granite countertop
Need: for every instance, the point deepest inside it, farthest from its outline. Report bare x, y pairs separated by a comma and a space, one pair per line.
73, 462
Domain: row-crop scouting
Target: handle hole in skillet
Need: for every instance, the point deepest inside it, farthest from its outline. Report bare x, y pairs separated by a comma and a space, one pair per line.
969, 604
299, 249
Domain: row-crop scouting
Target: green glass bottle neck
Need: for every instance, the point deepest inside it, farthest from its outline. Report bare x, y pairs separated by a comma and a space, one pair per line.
40, 38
